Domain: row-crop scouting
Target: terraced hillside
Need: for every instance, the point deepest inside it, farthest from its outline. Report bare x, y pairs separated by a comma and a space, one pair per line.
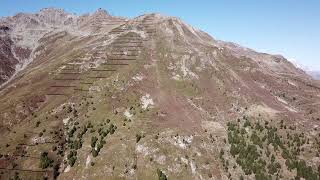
103, 97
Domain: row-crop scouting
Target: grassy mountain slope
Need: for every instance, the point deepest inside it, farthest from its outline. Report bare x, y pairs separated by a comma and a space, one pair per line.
153, 97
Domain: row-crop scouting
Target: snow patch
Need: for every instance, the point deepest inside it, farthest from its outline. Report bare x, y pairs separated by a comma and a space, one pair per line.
66, 121
292, 83
193, 167
127, 114
35, 140
146, 101
144, 150
67, 169
282, 100
88, 161
291, 109
138, 77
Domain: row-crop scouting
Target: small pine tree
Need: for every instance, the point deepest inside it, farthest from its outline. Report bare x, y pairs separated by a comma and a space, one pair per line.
45, 161
161, 175
138, 137
94, 141
94, 153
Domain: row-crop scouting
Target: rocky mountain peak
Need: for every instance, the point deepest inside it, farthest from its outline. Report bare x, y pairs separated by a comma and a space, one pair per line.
101, 12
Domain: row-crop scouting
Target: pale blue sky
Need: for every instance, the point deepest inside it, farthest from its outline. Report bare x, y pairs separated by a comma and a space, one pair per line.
287, 27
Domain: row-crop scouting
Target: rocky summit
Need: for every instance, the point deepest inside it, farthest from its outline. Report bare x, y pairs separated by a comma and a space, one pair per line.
96, 96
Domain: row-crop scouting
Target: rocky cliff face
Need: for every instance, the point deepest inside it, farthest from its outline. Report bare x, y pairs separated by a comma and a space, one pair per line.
10, 54
101, 96
20, 34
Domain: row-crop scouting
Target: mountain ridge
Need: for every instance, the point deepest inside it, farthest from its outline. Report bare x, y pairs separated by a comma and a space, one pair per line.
151, 97
70, 20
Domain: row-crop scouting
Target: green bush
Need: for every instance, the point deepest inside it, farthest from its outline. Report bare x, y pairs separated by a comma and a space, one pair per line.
71, 132
93, 141
38, 123
256, 139
89, 125
112, 128
72, 160
248, 151
45, 161
99, 147
94, 153
72, 157
161, 175
247, 123
76, 144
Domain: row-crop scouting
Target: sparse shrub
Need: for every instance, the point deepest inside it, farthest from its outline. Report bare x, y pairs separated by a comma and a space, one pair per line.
72, 157
16, 176
71, 132
72, 161
247, 123
99, 147
93, 141
69, 109
76, 144
45, 161
54, 148
38, 123
94, 153
56, 172
112, 129
161, 175
89, 125
241, 177
138, 137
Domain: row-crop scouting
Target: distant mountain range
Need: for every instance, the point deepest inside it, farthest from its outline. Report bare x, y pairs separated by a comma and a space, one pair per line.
314, 74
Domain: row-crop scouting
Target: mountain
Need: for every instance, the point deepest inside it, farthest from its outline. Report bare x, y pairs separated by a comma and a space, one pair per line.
102, 97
